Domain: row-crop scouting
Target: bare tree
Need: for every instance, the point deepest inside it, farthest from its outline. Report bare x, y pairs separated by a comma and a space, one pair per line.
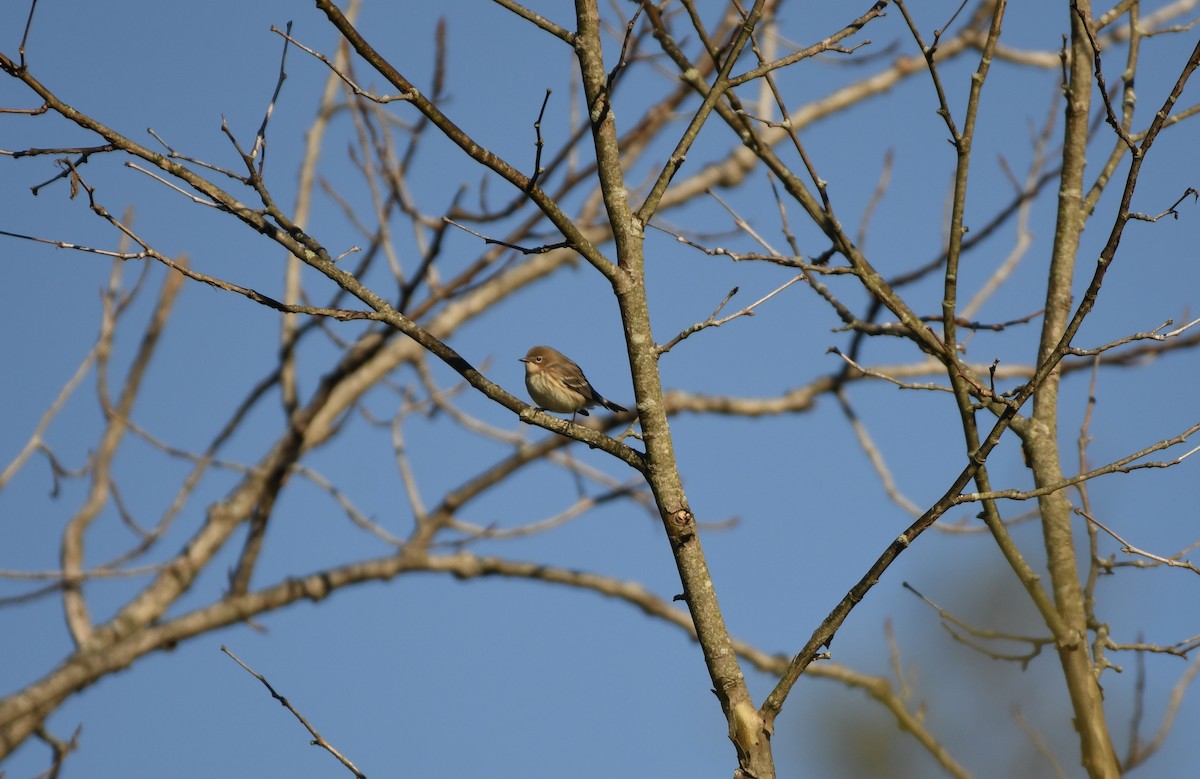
678, 160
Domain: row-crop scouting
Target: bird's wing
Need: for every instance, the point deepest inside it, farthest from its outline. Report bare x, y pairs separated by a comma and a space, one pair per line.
579, 383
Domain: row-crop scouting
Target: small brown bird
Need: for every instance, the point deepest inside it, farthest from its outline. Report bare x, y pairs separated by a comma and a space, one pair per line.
558, 384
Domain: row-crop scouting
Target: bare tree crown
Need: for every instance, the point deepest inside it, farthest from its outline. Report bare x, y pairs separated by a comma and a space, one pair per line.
897, 303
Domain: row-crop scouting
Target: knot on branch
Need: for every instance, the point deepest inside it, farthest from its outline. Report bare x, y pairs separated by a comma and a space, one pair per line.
683, 518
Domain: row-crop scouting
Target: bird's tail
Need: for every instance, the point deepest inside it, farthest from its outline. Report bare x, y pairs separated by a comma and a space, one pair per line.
608, 404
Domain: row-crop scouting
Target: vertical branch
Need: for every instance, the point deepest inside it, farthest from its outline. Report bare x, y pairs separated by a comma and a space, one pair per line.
962, 144
1041, 444
746, 726
711, 98
304, 191
74, 604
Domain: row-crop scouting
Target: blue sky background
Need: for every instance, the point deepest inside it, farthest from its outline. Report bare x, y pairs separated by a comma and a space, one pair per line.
429, 676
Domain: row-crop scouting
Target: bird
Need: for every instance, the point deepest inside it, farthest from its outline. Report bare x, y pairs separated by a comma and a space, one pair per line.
557, 384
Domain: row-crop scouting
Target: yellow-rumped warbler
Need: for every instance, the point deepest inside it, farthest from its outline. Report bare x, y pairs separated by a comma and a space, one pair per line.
558, 384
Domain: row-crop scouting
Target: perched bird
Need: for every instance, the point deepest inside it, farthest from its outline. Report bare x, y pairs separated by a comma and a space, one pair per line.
558, 384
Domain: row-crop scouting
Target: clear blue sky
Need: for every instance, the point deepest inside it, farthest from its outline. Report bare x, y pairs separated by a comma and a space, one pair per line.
429, 676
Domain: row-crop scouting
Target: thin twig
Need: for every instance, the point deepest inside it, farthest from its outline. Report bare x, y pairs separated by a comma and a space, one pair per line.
25, 35
875, 456
712, 320
1039, 743
409, 95
496, 241
538, 142
318, 739
1117, 466
1036, 643
1129, 548
260, 138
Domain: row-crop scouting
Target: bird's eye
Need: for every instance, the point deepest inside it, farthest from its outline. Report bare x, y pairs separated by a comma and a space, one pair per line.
538, 358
